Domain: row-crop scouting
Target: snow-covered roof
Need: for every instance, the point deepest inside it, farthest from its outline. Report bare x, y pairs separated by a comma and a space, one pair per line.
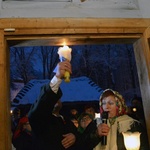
78, 89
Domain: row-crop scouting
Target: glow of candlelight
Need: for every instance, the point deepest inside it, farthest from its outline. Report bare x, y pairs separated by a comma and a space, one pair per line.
132, 140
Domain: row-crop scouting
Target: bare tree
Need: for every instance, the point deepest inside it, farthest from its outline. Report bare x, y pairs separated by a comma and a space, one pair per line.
22, 61
49, 59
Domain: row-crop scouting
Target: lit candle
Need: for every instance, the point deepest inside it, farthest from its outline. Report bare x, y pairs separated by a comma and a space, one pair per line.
65, 53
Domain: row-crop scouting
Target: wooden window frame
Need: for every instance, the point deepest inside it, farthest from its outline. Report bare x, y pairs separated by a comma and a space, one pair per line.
87, 30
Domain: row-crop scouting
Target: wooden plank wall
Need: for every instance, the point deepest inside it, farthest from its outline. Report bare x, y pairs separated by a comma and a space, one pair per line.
136, 30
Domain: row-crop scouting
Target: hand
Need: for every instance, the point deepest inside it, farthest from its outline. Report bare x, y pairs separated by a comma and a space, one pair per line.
62, 67
69, 140
103, 129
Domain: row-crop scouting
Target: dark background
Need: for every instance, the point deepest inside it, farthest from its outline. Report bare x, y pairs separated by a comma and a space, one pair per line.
109, 66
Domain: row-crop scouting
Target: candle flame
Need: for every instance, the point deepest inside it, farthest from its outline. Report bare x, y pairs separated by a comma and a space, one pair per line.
64, 43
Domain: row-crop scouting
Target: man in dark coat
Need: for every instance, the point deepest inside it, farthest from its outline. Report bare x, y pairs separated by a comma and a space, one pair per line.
51, 130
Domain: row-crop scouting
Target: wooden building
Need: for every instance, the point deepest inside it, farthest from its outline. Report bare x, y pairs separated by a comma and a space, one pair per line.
76, 22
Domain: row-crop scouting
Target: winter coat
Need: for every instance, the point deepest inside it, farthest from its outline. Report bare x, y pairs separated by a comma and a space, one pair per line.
23, 142
48, 129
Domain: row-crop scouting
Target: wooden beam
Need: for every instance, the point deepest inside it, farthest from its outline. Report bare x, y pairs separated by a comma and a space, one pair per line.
61, 23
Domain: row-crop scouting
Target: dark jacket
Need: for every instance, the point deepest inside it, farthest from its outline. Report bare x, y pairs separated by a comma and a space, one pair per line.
47, 128
23, 142
89, 138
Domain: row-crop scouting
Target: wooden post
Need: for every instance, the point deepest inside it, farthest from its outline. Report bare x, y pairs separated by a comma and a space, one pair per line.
142, 56
5, 138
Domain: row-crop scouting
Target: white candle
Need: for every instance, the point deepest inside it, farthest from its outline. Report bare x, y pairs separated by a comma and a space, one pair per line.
65, 52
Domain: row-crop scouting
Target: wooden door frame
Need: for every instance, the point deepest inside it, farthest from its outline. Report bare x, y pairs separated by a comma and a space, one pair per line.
95, 29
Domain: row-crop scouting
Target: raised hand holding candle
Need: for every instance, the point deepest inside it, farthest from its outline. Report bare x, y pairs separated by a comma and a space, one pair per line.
65, 53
